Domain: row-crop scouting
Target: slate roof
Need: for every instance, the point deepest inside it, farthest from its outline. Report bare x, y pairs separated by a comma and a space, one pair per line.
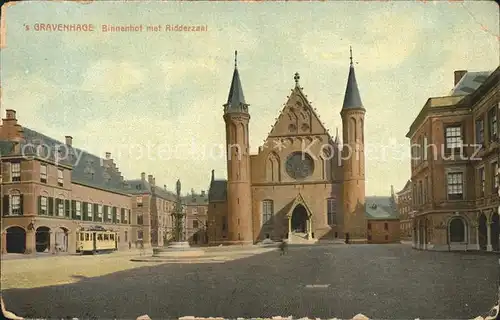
380, 208
352, 99
195, 199
236, 98
87, 169
469, 83
217, 191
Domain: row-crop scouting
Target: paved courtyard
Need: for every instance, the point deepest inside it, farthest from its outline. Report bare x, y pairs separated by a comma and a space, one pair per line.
380, 281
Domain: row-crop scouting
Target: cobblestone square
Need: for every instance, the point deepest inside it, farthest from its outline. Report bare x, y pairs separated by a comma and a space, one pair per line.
380, 281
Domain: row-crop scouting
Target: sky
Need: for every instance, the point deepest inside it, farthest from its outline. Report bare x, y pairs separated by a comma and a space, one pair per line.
127, 93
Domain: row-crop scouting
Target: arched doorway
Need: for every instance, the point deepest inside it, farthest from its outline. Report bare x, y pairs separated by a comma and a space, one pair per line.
482, 230
299, 219
42, 238
16, 240
61, 239
457, 230
495, 232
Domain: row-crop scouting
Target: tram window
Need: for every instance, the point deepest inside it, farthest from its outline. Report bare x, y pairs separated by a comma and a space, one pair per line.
106, 237
81, 236
111, 237
99, 236
87, 237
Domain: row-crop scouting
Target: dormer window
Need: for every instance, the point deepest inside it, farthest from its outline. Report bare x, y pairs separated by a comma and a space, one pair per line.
43, 173
374, 206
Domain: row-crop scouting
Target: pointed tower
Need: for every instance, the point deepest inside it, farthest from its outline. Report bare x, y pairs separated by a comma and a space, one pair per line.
239, 196
353, 187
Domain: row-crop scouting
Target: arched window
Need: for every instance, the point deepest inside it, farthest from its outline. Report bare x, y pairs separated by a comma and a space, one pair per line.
331, 211
352, 130
457, 230
13, 203
267, 211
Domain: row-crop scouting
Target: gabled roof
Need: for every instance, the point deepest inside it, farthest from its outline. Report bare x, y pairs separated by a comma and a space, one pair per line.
469, 83
297, 91
405, 188
298, 200
380, 208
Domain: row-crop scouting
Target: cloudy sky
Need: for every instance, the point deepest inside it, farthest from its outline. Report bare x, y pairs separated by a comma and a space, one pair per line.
129, 92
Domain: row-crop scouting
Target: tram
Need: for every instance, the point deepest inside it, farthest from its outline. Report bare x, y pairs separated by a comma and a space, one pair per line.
96, 240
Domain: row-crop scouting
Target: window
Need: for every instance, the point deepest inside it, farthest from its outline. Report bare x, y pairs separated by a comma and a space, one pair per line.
78, 209
139, 201
122, 215
60, 177
126, 236
482, 181
43, 206
43, 173
99, 211
420, 193
386, 227
15, 171
60, 207
140, 219
479, 131
493, 124
494, 177
195, 224
331, 211
386, 237
369, 226
139, 234
90, 214
267, 211
453, 137
455, 182
224, 223
15, 207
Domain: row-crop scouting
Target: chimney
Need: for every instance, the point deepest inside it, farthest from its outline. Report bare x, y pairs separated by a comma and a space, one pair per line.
202, 193
150, 178
154, 181
69, 140
108, 155
10, 114
459, 74
165, 187
213, 175
143, 176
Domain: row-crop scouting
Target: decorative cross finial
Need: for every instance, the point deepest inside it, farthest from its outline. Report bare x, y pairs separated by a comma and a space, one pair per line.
350, 57
235, 59
296, 78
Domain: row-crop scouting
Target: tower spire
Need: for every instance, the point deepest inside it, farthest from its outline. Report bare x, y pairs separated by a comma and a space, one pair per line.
352, 99
350, 56
236, 99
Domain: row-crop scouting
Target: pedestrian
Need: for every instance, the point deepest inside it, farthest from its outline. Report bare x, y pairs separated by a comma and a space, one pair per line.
129, 245
347, 238
283, 246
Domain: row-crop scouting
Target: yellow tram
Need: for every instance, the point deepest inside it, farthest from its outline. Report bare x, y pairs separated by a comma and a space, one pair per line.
96, 240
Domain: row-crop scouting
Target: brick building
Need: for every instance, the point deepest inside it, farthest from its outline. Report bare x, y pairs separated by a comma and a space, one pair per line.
288, 189
153, 205
51, 189
455, 157
196, 217
405, 209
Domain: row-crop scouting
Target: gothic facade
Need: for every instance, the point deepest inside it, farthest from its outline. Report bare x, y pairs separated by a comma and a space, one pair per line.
297, 186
